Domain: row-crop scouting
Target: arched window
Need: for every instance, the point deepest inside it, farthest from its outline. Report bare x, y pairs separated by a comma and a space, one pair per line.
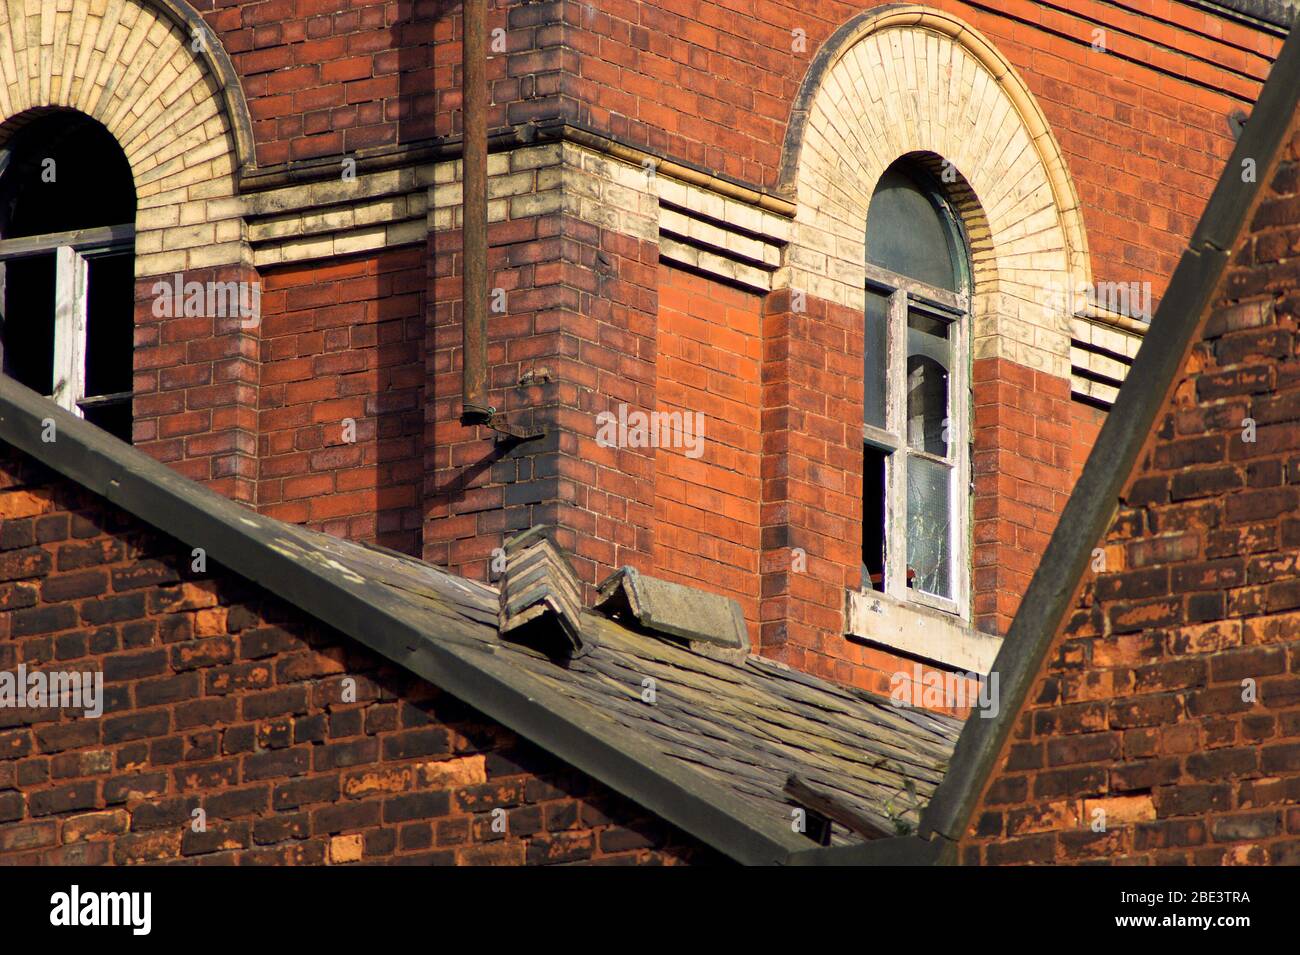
67, 240
915, 412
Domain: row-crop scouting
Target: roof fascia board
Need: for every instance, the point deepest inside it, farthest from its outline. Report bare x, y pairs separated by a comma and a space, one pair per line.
1095, 498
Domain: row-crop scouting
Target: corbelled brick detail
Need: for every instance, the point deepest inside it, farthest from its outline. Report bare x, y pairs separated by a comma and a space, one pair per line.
1170, 698
222, 698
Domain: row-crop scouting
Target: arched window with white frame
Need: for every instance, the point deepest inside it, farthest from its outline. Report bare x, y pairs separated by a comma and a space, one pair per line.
67, 244
916, 410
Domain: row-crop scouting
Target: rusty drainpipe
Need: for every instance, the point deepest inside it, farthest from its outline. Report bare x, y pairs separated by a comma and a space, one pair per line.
474, 297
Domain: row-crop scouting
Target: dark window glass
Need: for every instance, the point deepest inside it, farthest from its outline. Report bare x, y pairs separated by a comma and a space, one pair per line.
109, 320
27, 334
873, 518
908, 233
114, 418
65, 172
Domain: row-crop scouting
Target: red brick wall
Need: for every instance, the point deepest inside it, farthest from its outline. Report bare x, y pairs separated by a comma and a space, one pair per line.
1143, 127
326, 77
222, 698
259, 415
709, 356
812, 483
1085, 424
1170, 698
195, 383
1021, 470
344, 340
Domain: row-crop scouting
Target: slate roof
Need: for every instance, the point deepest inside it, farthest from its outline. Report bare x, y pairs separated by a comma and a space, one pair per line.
745, 726
712, 755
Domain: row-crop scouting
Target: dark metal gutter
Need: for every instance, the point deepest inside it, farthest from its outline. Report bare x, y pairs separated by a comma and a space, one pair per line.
898, 850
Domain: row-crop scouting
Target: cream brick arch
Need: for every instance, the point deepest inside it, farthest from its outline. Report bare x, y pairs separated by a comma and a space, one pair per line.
912, 80
172, 101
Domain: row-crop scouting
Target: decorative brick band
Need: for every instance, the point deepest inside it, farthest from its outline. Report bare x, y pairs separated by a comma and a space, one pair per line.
555, 177
1101, 353
733, 240
347, 215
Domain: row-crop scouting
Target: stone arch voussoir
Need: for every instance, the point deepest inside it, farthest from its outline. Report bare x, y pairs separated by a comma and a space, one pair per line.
158, 79
916, 81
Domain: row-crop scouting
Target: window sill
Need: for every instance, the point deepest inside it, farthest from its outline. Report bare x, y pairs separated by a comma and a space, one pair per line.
919, 631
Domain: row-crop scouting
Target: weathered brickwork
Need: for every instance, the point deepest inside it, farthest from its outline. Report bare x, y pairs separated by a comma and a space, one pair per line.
222, 698
707, 497
1170, 699
650, 264
1021, 470
982, 133
576, 339
812, 481
196, 384
325, 77
712, 85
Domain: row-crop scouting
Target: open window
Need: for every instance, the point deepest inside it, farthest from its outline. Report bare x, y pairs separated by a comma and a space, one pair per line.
67, 283
916, 412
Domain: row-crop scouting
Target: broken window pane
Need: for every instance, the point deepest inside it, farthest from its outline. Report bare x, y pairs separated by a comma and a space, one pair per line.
929, 526
928, 358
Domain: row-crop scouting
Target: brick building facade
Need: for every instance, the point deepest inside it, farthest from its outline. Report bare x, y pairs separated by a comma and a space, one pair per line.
678, 224
639, 154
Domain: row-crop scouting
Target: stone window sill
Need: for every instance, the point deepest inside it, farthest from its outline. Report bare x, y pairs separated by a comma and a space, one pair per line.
919, 631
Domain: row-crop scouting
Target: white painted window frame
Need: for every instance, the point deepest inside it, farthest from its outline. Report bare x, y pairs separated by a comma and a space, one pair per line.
72, 254
904, 294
